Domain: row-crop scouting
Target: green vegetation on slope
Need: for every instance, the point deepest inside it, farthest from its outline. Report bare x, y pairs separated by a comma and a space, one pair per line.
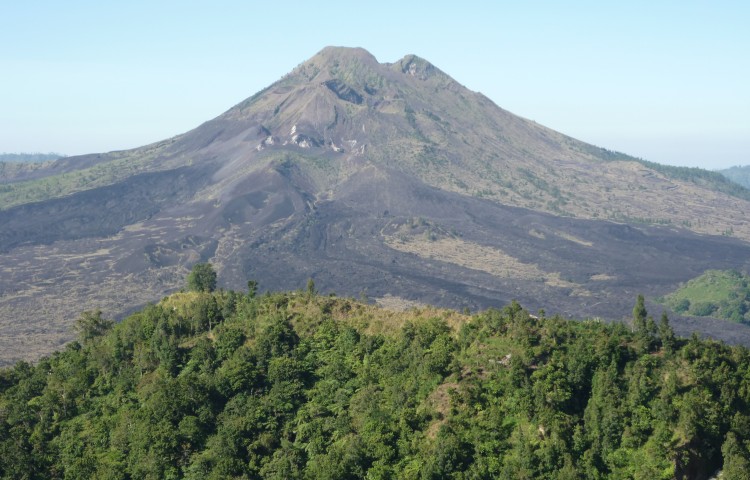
738, 174
114, 167
296, 385
721, 294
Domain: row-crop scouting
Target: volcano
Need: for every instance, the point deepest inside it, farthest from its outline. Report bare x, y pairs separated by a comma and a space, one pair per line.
387, 181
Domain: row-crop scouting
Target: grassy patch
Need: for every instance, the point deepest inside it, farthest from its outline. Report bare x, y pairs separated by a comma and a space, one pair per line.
55, 186
723, 294
478, 257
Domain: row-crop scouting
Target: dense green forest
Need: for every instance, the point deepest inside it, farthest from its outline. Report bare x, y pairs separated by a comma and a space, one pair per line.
214, 385
723, 294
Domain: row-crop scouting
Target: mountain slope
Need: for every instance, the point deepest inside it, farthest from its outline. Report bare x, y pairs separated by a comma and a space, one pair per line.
382, 179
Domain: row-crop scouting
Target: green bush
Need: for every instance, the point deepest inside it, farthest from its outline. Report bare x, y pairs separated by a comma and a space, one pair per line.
703, 309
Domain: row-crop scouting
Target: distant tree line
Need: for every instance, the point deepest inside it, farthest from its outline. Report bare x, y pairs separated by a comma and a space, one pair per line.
29, 157
734, 182
705, 178
738, 174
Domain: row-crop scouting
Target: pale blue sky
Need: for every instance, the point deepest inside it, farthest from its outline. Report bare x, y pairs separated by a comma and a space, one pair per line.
668, 81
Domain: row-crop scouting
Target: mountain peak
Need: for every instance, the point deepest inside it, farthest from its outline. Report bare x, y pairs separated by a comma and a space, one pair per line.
343, 63
359, 69
335, 53
334, 61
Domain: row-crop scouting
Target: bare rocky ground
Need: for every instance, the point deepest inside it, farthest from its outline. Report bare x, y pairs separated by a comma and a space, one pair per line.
428, 246
389, 181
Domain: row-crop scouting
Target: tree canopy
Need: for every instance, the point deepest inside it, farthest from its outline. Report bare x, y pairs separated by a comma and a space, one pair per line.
296, 385
202, 278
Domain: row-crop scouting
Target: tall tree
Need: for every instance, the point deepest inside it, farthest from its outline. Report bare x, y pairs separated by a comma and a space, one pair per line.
252, 288
644, 326
639, 314
311, 288
91, 325
666, 334
202, 278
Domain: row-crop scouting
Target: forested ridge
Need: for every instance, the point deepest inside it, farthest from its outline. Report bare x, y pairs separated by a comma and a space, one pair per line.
299, 385
29, 157
738, 174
